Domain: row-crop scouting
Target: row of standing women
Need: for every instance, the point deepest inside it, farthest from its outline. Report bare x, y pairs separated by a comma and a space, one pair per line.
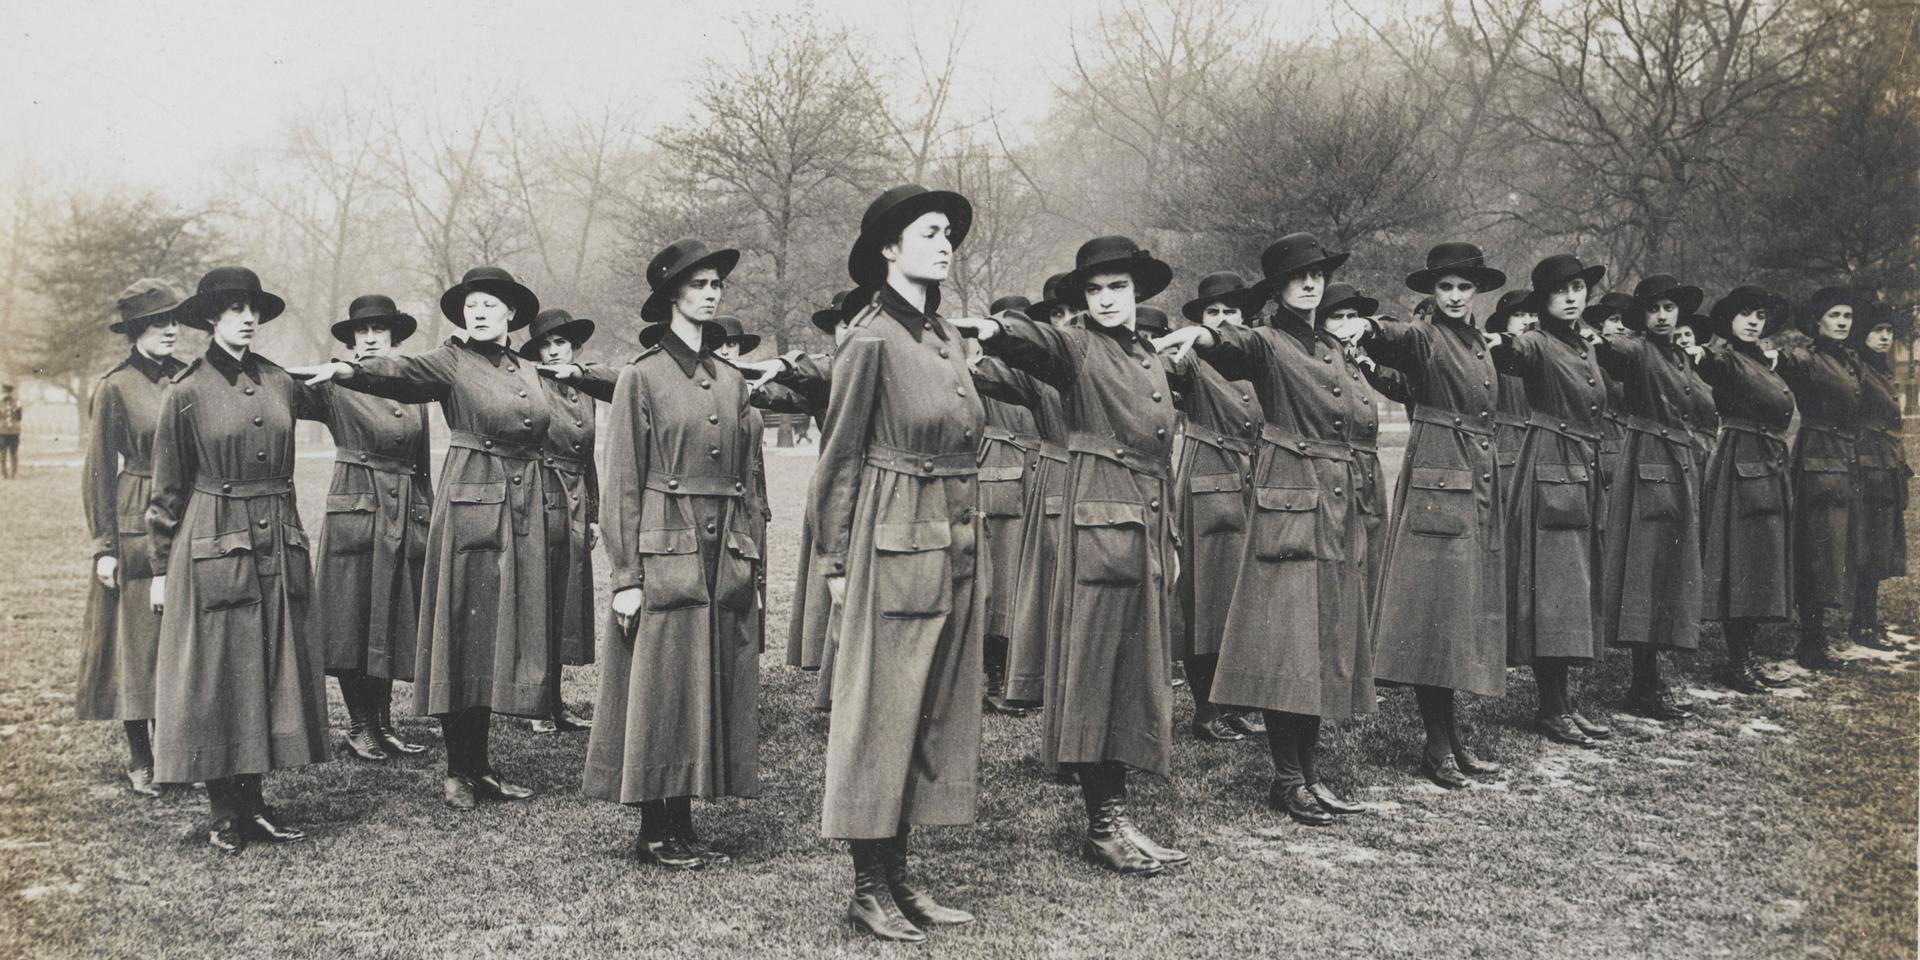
1068, 486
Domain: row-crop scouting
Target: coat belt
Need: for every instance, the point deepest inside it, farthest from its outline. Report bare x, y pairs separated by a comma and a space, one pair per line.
1306, 446
1744, 425
1481, 425
1109, 449
1564, 428
564, 463
1051, 450
1217, 440
243, 489
1510, 419
509, 449
379, 463
1829, 427
896, 460
1647, 425
696, 485
137, 470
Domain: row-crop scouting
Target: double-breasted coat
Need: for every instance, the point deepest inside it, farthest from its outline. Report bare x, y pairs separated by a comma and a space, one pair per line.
1884, 474
1747, 504
1828, 522
1043, 493
678, 711
1441, 617
240, 684
1297, 633
1553, 500
573, 478
484, 630
1651, 583
373, 542
1108, 689
121, 630
894, 511
1211, 477
1005, 442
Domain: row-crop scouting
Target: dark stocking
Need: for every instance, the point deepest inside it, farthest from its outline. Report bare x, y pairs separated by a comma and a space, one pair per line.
139, 744
1291, 738
1200, 671
1551, 677
1436, 714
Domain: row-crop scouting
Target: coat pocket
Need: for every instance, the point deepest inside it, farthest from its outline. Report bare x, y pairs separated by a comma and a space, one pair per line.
1439, 502
130, 516
223, 571
1000, 490
1285, 523
1109, 542
419, 522
912, 572
1053, 504
298, 561
670, 568
349, 523
476, 514
1656, 495
1219, 503
1825, 481
1758, 489
736, 583
558, 517
1561, 497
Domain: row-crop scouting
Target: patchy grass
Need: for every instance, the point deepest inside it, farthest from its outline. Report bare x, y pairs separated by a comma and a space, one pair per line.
1779, 826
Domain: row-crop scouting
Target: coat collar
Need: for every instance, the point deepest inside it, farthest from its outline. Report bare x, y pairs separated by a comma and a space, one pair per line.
915, 321
231, 367
1291, 323
495, 351
155, 369
687, 358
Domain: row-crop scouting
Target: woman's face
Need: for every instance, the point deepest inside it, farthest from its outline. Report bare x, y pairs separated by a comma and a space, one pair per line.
1110, 298
1748, 325
1218, 313
235, 326
158, 339
1880, 338
556, 349
1520, 321
1613, 326
372, 340
1567, 300
1060, 316
487, 317
1303, 291
1683, 337
699, 297
1453, 296
728, 350
1342, 319
1837, 322
924, 251
1663, 318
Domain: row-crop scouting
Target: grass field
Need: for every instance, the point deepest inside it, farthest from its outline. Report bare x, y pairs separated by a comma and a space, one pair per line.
1769, 827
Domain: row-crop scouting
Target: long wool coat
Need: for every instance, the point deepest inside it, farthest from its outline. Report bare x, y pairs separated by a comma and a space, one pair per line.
1108, 690
1650, 594
1004, 445
1297, 631
1370, 484
1553, 502
1828, 522
803, 387
1441, 618
1211, 478
1042, 494
373, 542
678, 710
484, 598
240, 684
1748, 571
573, 484
1884, 475
121, 631
893, 510
1509, 429
1703, 417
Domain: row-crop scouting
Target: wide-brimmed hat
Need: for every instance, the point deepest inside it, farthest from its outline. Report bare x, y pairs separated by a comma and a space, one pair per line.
1665, 286
892, 212
1296, 253
1225, 287
1151, 320
497, 282
550, 322
711, 332
1050, 298
1340, 295
748, 342
1609, 304
671, 267
1012, 301
223, 285
374, 308
1114, 255
1742, 299
1518, 300
146, 301
1824, 299
1556, 271
1700, 324
1886, 315
1459, 258
845, 304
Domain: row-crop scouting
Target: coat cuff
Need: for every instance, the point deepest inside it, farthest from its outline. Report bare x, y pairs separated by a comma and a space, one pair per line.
832, 564
624, 578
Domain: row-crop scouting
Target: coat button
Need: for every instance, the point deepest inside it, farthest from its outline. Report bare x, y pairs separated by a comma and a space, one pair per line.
926, 464
1160, 431
226, 488
258, 421
516, 479
261, 523
1146, 364
549, 461
713, 418
1486, 383
487, 443
1153, 504
739, 487
1156, 396
1456, 421
1336, 391
1119, 454
1244, 398
673, 484
1339, 491
398, 412
1563, 424
959, 391
1487, 477
710, 527
1483, 444
706, 384
1328, 357
943, 353
523, 393
1246, 424
714, 452
1440, 483
247, 390
260, 455
526, 421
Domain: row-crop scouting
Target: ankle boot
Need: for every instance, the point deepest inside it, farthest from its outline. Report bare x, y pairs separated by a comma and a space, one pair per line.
682, 811
1740, 676
1811, 652
916, 905
1469, 763
487, 782
1107, 844
224, 833
257, 820
660, 842
873, 908
362, 739
1117, 784
381, 695
140, 760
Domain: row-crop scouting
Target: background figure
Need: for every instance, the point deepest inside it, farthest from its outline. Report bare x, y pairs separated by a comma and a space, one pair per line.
1007, 442
10, 414
1884, 473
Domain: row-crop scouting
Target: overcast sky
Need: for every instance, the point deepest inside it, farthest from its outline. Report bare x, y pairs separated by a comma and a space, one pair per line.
148, 94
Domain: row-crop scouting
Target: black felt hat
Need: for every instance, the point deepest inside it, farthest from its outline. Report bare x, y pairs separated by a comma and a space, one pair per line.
374, 308
1886, 315
892, 212
1151, 320
550, 322
497, 282
845, 304
1459, 258
223, 285
1224, 287
1012, 301
1742, 299
1556, 271
1050, 299
146, 301
1665, 286
1341, 295
1824, 299
1114, 255
748, 342
1608, 305
671, 267
1519, 300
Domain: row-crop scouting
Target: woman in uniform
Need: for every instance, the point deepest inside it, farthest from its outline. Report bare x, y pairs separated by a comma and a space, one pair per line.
1747, 577
122, 629
484, 642
1345, 308
1884, 473
1007, 440
1604, 317
1513, 314
373, 542
679, 688
240, 684
1703, 416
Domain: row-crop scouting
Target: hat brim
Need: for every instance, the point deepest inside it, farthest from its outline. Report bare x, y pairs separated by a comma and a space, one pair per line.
576, 331
864, 263
1327, 265
402, 325
1723, 312
1808, 317
1686, 296
748, 342
1150, 277
659, 305
197, 311
1367, 306
1485, 279
1195, 310
826, 320
132, 326
522, 301
1592, 275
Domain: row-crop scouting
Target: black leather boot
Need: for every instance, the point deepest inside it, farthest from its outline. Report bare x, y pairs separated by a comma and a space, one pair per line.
362, 740
872, 907
140, 759
381, 693
1107, 843
1117, 783
918, 906
257, 820
224, 834
1739, 676
457, 788
660, 842
682, 810
1470, 763
487, 784
1811, 652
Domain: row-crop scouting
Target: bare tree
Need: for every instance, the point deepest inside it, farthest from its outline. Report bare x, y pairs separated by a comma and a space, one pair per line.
918, 96
564, 180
